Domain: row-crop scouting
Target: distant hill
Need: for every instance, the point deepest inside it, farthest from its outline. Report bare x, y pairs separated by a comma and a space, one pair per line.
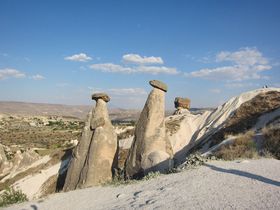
77, 111
33, 109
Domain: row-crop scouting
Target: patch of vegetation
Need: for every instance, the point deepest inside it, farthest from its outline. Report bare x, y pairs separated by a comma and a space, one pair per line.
12, 196
151, 175
242, 147
120, 122
127, 133
272, 141
173, 125
117, 181
120, 180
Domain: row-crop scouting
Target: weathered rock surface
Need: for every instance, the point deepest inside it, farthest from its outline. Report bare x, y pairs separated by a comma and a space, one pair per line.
79, 156
150, 149
182, 103
102, 96
26, 158
181, 111
3, 158
158, 84
95, 156
20, 161
250, 110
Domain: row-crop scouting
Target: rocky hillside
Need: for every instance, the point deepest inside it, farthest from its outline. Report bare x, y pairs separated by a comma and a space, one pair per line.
255, 113
39, 109
251, 110
60, 110
117, 115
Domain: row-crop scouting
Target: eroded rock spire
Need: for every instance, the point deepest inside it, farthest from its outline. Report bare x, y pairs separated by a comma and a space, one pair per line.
94, 158
151, 150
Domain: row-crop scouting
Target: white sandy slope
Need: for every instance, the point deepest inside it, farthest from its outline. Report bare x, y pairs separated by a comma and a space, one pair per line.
31, 184
249, 184
41, 161
197, 127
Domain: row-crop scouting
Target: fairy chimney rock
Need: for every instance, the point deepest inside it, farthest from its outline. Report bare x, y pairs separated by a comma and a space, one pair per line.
102, 96
151, 150
158, 84
183, 103
94, 158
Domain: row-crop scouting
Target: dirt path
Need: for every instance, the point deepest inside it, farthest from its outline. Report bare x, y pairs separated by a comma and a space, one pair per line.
252, 184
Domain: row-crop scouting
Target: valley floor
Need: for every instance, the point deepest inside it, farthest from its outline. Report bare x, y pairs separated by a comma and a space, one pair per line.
247, 184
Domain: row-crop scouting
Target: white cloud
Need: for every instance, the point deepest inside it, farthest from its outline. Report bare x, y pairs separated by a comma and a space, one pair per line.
245, 56
82, 57
248, 63
114, 68
138, 68
119, 91
157, 70
10, 73
239, 85
127, 91
110, 67
137, 59
215, 90
37, 77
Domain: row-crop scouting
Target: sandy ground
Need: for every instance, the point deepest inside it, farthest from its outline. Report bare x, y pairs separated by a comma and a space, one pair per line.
249, 184
31, 184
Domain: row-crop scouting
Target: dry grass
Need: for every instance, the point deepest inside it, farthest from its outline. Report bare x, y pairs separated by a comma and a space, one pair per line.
243, 147
173, 125
18, 131
247, 115
126, 134
272, 141
122, 156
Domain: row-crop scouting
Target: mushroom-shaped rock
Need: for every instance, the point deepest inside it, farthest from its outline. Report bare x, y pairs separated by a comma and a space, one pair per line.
158, 84
102, 96
95, 157
151, 150
182, 103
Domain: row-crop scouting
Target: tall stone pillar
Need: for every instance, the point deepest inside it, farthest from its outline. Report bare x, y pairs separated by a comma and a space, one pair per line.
151, 150
95, 156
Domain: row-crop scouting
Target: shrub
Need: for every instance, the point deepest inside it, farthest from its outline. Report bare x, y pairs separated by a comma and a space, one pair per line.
242, 147
151, 175
272, 141
120, 180
12, 196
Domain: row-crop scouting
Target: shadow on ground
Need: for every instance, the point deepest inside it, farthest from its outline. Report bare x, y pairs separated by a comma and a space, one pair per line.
245, 174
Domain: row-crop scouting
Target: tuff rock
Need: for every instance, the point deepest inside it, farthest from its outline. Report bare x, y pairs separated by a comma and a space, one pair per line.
95, 157
151, 150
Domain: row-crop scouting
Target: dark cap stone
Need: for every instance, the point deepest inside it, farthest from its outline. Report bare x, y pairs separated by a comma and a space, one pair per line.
182, 103
102, 96
158, 84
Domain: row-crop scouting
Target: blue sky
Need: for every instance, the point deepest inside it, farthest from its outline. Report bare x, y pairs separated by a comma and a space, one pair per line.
62, 51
